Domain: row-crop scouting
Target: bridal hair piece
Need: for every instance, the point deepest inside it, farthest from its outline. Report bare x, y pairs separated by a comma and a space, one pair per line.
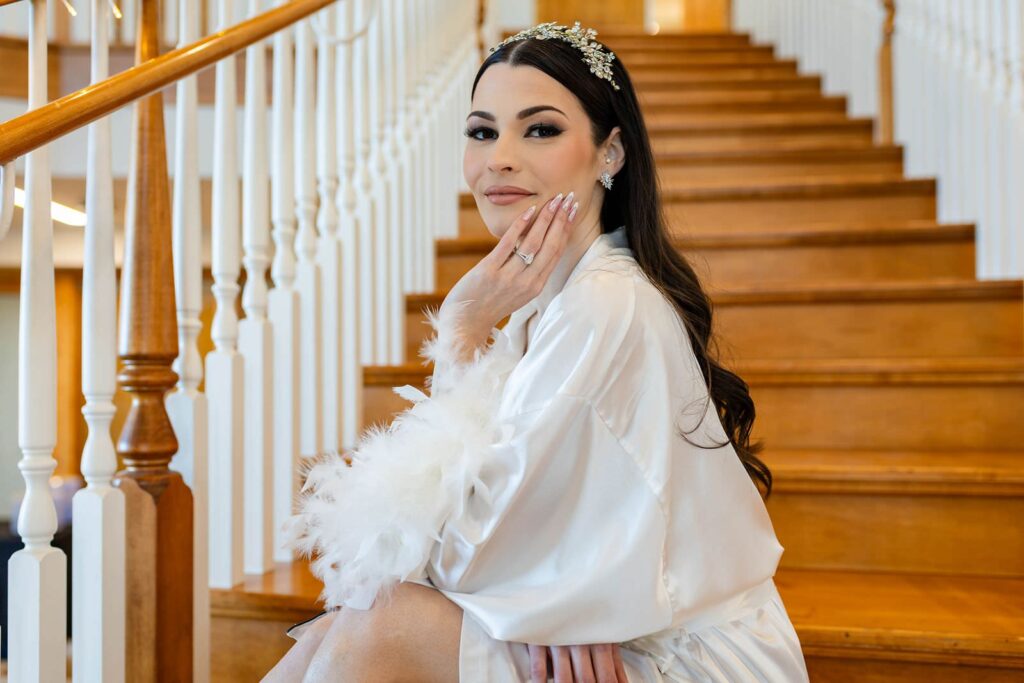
597, 56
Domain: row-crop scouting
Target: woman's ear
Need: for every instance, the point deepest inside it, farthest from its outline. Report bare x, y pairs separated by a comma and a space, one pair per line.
613, 155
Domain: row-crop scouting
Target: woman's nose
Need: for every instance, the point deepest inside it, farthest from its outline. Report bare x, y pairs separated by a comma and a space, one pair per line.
503, 157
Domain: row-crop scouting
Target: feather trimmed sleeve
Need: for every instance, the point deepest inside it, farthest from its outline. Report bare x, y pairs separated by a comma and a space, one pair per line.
371, 524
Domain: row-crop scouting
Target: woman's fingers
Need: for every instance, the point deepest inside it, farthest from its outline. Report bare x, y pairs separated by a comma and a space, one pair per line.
561, 663
582, 664
503, 249
620, 668
604, 663
538, 663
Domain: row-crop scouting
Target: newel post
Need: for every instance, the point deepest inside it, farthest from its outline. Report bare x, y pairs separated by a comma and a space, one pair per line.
158, 504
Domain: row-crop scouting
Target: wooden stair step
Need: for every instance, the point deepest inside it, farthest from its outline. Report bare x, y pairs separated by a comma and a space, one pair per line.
882, 627
718, 166
864, 403
731, 105
927, 511
673, 123
728, 97
894, 627
845, 320
911, 252
712, 70
745, 54
671, 43
725, 81
753, 135
846, 201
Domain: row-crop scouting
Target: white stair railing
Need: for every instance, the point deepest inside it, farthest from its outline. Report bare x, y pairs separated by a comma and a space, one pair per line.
958, 91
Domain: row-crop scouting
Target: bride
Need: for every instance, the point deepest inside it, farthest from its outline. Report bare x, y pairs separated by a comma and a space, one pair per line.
577, 497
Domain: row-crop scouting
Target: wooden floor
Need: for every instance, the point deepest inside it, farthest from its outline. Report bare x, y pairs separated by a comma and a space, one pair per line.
888, 380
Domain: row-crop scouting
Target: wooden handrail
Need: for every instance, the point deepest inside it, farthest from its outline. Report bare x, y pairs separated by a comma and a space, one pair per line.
41, 126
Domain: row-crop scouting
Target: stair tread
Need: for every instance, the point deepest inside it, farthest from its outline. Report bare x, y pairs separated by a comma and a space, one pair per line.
911, 231
931, 371
762, 123
946, 616
831, 153
834, 292
864, 470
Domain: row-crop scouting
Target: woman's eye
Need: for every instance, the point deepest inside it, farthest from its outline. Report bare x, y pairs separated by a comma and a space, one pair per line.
473, 132
548, 131
543, 130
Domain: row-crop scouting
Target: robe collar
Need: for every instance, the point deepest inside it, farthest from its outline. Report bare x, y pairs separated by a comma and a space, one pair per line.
564, 272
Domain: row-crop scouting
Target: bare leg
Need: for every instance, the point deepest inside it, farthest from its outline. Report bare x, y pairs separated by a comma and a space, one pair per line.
293, 665
415, 638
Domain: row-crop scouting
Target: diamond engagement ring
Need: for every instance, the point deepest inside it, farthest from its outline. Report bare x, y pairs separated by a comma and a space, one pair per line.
527, 258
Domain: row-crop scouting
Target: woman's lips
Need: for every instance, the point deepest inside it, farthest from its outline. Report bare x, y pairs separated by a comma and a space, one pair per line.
503, 198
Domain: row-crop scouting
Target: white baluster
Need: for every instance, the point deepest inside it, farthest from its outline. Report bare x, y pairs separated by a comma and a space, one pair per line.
255, 336
307, 272
224, 365
368, 236
328, 248
1015, 138
376, 191
98, 511
37, 574
283, 300
396, 192
186, 405
348, 235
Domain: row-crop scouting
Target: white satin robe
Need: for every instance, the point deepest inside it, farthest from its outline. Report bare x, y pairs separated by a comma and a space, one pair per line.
572, 510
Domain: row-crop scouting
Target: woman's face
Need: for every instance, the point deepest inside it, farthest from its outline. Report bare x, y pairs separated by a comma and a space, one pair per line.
530, 139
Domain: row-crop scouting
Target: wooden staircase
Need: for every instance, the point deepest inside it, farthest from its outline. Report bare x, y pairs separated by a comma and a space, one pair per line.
889, 382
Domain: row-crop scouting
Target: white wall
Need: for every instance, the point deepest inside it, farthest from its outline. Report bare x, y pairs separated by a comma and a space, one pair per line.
515, 14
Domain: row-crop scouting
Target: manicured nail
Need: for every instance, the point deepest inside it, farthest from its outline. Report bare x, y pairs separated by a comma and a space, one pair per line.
553, 205
529, 212
572, 214
568, 202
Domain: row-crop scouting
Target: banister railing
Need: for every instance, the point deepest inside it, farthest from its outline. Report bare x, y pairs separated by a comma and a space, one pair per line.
351, 177
73, 111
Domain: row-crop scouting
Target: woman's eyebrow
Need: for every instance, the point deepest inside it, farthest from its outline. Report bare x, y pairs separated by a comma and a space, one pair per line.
529, 111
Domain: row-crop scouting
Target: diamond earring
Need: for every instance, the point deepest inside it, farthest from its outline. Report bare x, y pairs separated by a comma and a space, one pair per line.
606, 180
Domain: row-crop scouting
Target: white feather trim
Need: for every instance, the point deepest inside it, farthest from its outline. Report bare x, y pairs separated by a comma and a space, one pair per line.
373, 524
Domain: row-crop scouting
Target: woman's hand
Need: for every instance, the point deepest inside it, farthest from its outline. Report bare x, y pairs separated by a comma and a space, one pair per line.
502, 282
577, 664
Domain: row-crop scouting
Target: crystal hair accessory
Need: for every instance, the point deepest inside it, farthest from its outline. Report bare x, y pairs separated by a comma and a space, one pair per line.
597, 56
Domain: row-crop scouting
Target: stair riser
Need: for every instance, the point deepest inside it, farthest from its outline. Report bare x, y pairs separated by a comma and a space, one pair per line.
668, 44
875, 667
776, 213
634, 59
684, 174
849, 330
764, 140
729, 96
972, 416
722, 268
896, 329
727, 106
920, 533
644, 73
657, 120
804, 84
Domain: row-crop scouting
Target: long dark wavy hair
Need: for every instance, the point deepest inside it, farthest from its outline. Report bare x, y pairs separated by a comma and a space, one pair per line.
635, 202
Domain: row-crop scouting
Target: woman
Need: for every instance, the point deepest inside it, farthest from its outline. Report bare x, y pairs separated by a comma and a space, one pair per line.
571, 499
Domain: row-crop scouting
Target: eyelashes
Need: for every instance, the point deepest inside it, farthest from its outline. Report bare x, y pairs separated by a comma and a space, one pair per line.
548, 131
